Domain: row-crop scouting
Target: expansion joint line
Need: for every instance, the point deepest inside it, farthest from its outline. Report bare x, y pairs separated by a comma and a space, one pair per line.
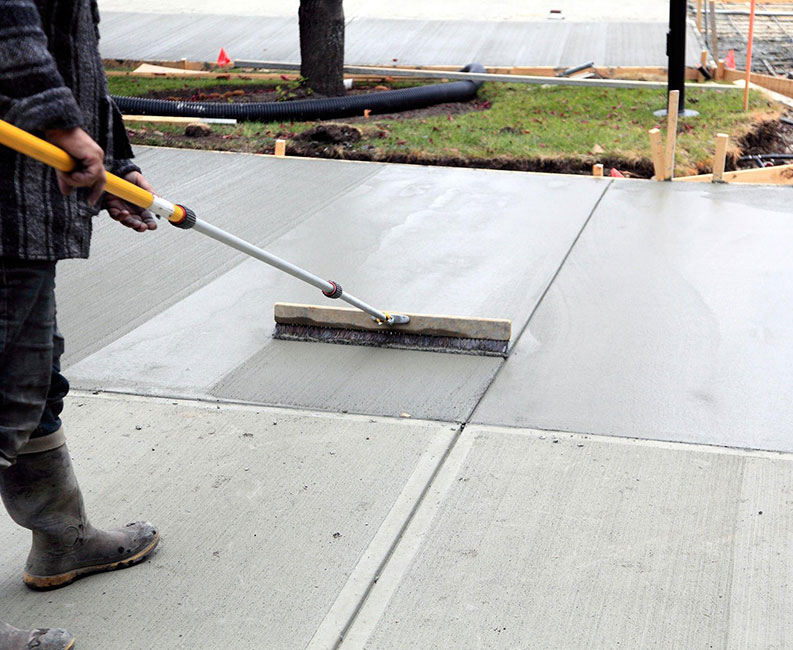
539, 302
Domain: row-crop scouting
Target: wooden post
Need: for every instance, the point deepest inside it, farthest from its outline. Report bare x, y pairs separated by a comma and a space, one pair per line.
657, 150
280, 148
597, 170
699, 15
703, 62
749, 58
720, 70
720, 158
671, 134
714, 35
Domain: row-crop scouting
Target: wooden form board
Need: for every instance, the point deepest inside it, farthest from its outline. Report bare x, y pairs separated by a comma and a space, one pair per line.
777, 84
777, 175
161, 69
180, 68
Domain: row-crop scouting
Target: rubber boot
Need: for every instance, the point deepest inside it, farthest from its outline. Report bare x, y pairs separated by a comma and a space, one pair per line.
43, 639
41, 493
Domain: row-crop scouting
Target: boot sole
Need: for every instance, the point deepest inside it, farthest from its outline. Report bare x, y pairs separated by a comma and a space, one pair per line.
45, 583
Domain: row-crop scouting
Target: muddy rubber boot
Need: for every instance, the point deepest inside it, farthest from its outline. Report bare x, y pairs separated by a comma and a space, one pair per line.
41, 493
42, 639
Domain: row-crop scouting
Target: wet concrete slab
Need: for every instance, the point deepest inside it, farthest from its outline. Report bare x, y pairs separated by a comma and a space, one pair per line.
132, 277
547, 540
495, 10
669, 320
385, 41
266, 518
422, 240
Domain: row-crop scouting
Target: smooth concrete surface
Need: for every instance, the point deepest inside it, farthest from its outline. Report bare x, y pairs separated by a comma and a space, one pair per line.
501, 10
406, 238
669, 320
131, 277
532, 539
266, 517
379, 41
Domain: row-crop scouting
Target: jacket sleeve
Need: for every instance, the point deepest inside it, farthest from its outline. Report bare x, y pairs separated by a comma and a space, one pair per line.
33, 95
122, 150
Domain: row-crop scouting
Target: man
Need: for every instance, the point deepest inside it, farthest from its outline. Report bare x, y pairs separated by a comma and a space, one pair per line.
52, 83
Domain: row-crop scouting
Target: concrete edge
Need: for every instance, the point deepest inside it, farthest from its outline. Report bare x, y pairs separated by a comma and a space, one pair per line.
542, 434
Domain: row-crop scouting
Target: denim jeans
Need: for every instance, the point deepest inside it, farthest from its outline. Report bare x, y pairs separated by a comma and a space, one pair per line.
31, 386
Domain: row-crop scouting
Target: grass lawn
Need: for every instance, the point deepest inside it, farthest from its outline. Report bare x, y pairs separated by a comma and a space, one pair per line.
508, 122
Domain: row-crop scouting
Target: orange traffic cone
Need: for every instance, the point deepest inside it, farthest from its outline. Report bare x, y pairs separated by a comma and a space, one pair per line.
616, 173
223, 58
729, 62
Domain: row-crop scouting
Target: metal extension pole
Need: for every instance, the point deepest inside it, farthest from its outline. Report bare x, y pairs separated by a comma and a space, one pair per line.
329, 289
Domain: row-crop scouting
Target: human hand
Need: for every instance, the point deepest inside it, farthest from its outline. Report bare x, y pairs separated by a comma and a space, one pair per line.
91, 173
128, 214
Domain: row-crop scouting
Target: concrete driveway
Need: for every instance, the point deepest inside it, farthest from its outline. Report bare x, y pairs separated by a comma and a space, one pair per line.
622, 479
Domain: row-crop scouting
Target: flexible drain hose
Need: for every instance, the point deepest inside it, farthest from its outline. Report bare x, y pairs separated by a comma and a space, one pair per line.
389, 101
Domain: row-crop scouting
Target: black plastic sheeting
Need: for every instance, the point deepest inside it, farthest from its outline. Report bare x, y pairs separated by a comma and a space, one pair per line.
388, 101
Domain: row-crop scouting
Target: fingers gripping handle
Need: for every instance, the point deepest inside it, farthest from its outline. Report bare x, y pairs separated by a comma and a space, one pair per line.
47, 153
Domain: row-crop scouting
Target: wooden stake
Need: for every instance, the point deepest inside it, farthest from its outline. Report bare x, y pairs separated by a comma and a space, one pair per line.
597, 170
720, 70
703, 62
749, 58
671, 133
699, 15
714, 35
280, 148
720, 158
657, 149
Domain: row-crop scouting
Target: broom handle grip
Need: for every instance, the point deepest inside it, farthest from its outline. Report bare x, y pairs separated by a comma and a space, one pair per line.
47, 153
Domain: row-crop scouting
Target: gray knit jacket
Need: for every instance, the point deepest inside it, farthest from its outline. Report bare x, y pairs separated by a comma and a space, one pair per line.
51, 77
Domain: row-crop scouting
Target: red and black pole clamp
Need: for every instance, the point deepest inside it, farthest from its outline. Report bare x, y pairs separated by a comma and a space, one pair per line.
335, 292
186, 222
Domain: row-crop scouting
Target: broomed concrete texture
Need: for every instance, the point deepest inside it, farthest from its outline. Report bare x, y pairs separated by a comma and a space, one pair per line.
277, 525
378, 41
266, 518
669, 320
418, 239
532, 539
502, 10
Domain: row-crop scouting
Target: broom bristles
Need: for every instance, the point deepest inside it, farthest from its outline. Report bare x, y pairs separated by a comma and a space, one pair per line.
391, 339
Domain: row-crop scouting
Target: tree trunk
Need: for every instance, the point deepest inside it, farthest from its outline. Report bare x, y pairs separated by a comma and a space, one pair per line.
322, 45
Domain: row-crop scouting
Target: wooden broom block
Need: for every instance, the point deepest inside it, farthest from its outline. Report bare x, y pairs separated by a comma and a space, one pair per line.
495, 329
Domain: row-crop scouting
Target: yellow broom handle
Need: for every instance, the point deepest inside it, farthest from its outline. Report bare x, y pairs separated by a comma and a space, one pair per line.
49, 154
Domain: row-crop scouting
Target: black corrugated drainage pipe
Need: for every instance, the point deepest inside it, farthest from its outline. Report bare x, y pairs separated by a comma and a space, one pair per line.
387, 101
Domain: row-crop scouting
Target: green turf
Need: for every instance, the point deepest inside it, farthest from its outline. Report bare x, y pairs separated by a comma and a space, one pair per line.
512, 121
